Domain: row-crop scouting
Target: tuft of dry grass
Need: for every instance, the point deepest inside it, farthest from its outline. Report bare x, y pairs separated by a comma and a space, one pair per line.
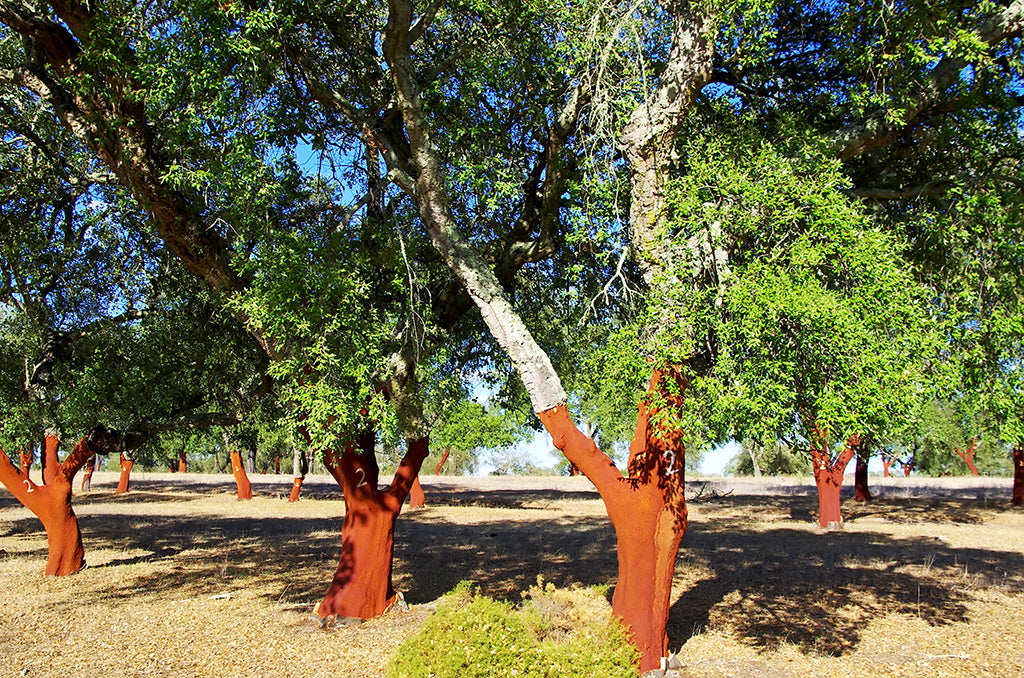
183, 579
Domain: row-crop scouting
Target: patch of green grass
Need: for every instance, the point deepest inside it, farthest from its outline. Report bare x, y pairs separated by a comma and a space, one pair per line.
554, 632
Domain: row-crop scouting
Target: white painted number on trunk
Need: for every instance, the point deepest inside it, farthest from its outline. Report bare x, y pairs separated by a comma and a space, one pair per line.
670, 455
362, 477
29, 486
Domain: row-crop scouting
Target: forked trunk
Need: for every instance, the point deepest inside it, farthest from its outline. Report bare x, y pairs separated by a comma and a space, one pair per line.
126, 473
647, 510
1018, 474
362, 586
51, 503
828, 476
860, 480
241, 478
908, 468
968, 457
886, 463
417, 498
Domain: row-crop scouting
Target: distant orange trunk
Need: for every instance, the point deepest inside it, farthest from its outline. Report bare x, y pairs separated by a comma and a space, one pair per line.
417, 498
647, 510
968, 457
241, 479
126, 474
296, 490
886, 464
51, 503
90, 466
182, 462
440, 464
362, 586
860, 481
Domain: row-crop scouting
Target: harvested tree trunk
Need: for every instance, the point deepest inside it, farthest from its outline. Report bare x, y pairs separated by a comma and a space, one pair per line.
126, 473
968, 456
417, 498
828, 476
886, 464
1018, 474
860, 480
444, 458
908, 467
647, 510
362, 586
241, 479
300, 466
182, 461
51, 503
90, 467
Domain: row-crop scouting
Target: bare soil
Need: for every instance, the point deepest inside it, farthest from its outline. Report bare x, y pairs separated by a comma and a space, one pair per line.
183, 579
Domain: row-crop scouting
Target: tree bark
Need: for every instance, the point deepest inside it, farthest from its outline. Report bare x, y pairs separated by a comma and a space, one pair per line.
968, 456
126, 474
51, 503
1018, 474
440, 464
90, 466
828, 476
860, 480
241, 479
300, 466
362, 586
886, 463
753, 460
182, 461
647, 510
417, 498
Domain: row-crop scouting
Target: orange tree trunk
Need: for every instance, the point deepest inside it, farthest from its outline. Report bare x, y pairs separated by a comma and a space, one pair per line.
362, 586
90, 466
1018, 474
886, 464
444, 458
241, 479
860, 480
182, 462
828, 476
968, 457
908, 467
296, 490
417, 498
51, 503
647, 510
126, 474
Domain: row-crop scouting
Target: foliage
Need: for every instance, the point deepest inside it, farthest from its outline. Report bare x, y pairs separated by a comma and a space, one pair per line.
554, 633
776, 459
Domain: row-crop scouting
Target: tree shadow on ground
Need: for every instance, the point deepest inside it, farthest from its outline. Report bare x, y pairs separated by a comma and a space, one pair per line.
771, 585
768, 584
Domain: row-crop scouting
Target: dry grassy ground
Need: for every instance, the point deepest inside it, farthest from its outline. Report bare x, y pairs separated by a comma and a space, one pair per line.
183, 580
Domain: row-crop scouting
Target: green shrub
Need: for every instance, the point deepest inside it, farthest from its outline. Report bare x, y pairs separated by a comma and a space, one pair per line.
555, 632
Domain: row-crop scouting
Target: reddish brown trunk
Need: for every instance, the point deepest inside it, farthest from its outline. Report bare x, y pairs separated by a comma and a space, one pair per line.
182, 462
25, 461
277, 465
296, 490
860, 480
444, 458
51, 503
647, 510
362, 586
126, 474
886, 463
573, 470
241, 478
417, 498
90, 466
908, 467
828, 476
1018, 474
968, 456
